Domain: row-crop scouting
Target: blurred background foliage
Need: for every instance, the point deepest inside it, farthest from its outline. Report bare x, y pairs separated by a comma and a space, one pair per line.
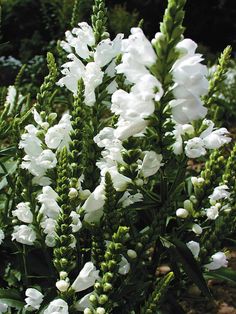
30, 28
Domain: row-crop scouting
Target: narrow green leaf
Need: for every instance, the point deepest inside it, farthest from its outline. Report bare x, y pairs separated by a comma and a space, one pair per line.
190, 265
225, 274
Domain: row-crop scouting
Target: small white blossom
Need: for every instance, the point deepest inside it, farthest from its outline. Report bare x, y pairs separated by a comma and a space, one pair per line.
194, 248
212, 212
2, 236
48, 200
94, 204
197, 229
57, 306
24, 234
195, 148
33, 300
124, 266
220, 192
151, 163
182, 213
3, 307
58, 135
86, 278
62, 285
76, 223
23, 212
218, 260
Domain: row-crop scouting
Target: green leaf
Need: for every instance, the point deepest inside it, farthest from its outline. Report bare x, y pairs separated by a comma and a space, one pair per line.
225, 274
190, 265
12, 298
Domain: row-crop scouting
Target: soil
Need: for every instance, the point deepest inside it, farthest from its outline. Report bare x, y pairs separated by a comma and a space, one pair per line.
224, 296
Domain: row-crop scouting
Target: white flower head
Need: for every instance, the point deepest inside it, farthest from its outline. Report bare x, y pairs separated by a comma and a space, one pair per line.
151, 164
48, 199
212, 212
195, 148
23, 212
58, 135
94, 204
33, 300
218, 260
86, 278
107, 50
57, 306
124, 266
24, 234
194, 248
3, 307
220, 192
2, 236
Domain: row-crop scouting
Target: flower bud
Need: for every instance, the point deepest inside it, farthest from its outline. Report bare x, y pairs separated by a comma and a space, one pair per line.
182, 213
100, 310
188, 205
87, 311
197, 229
103, 299
62, 285
63, 274
73, 193
132, 254
84, 194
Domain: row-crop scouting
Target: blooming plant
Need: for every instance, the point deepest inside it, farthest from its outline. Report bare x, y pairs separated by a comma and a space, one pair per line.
96, 199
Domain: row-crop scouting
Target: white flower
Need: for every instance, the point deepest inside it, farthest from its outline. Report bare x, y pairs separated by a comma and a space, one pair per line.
139, 47
218, 260
30, 142
186, 110
195, 148
212, 212
2, 236
48, 200
79, 38
94, 204
58, 135
220, 192
38, 165
50, 239
3, 307
120, 181
151, 163
93, 77
11, 96
182, 213
57, 306
197, 181
76, 223
86, 278
179, 131
194, 248
72, 71
197, 229
128, 199
48, 225
128, 128
23, 212
38, 119
106, 50
105, 137
131, 68
217, 138
148, 88
124, 266
130, 106
62, 285
33, 300
24, 234
83, 303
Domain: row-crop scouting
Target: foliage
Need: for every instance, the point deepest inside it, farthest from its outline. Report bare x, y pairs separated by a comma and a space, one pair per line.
96, 192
